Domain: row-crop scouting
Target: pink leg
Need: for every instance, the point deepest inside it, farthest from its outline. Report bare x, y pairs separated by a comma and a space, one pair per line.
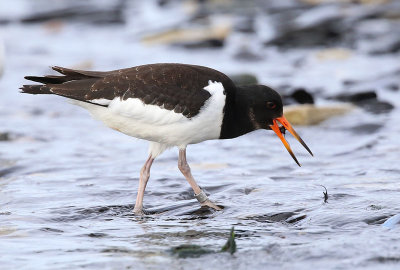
144, 177
198, 193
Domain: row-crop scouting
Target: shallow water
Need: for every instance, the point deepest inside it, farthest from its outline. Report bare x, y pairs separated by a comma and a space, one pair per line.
68, 184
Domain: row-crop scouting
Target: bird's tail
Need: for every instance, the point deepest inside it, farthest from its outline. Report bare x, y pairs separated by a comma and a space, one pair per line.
49, 81
35, 89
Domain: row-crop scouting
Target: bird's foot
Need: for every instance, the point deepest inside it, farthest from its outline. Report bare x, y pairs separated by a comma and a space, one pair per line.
211, 205
204, 201
140, 212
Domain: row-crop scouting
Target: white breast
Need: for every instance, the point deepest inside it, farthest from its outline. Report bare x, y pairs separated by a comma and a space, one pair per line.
153, 123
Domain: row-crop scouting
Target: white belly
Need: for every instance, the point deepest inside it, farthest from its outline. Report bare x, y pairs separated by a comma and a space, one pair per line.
152, 123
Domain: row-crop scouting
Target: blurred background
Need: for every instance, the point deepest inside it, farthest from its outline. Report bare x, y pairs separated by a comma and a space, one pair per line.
67, 184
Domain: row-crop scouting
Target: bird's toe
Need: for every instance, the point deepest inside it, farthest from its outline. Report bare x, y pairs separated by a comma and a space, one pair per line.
210, 204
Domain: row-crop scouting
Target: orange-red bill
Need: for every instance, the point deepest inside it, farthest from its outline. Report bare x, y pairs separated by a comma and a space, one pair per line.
287, 126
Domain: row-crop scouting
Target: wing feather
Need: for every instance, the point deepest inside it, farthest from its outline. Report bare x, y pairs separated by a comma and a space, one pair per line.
174, 87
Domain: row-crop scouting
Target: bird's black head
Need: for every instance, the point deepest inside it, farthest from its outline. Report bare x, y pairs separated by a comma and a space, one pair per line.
264, 109
264, 104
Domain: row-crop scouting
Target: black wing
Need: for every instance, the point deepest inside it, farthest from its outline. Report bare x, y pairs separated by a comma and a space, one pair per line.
176, 87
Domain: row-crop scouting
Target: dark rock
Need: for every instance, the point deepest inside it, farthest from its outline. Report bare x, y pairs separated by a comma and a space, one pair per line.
382, 259
321, 25
4, 21
97, 235
302, 96
376, 107
289, 217
358, 97
9, 170
386, 45
366, 128
349, 82
208, 43
298, 96
393, 87
162, 3
244, 79
47, 229
5, 136
375, 220
321, 36
84, 13
246, 55
367, 100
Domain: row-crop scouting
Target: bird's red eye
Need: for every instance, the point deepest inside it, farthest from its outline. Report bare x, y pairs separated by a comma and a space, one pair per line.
271, 105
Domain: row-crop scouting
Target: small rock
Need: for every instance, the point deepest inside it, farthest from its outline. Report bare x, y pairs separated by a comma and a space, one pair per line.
386, 45
4, 21
299, 96
319, 25
312, 115
334, 54
393, 87
208, 43
85, 13
5, 136
366, 128
162, 3
376, 106
247, 55
368, 100
349, 82
358, 97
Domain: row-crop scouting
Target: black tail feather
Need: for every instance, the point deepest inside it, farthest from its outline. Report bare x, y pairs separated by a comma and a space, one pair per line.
73, 84
50, 81
79, 74
35, 89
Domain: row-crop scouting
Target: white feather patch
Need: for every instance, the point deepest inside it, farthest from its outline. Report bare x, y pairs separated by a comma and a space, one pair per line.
165, 127
135, 109
156, 149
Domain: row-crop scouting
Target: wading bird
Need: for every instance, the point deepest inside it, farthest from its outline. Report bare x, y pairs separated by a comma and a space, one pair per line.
170, 105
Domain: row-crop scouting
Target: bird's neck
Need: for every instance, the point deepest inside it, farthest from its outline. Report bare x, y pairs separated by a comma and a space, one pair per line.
237, 117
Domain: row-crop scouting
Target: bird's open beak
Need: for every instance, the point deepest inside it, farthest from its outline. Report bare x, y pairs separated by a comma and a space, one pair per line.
285, 123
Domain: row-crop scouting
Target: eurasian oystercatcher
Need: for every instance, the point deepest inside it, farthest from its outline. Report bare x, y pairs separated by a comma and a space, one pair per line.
170, 105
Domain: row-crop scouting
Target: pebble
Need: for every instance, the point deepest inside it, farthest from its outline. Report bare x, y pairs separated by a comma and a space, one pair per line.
308, 114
